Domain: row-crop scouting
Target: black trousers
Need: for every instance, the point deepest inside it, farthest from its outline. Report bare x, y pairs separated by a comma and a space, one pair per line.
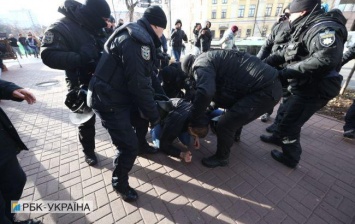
281, 110
12, 182
87, 136
243, 112
118, 124
141, 128
350, 118
298, 110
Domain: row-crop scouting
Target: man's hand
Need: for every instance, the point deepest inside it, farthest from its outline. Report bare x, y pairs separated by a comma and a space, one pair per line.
24, 95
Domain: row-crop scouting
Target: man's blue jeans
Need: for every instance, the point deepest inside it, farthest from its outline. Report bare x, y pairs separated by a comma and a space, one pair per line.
156, 131
177, 54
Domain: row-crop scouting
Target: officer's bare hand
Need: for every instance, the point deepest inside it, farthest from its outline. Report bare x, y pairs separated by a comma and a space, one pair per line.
24, 95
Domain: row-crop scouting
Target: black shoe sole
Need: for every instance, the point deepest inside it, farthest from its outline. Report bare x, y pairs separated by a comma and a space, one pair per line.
126, 198
214, 166
280, 160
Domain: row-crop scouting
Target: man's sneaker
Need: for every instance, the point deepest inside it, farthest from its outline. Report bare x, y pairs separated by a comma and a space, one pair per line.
28, 221
349, 134
127, 193
213, 162
91, 159
272, 128
280, 157
265, 117
271, 139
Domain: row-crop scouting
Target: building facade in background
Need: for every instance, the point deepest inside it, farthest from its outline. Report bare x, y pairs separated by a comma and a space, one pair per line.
253, 17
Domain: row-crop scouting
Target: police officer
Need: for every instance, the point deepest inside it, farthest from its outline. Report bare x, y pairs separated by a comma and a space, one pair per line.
279, 37
349, 127
74, 44
314, 57
226, 77
123, 81
12, 178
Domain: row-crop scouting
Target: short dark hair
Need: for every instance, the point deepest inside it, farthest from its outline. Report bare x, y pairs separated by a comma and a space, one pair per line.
200, 132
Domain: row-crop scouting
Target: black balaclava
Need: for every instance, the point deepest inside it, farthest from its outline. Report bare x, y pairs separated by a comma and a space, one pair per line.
94, 11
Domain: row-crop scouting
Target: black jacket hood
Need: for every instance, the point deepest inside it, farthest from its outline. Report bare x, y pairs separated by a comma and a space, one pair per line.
70, 8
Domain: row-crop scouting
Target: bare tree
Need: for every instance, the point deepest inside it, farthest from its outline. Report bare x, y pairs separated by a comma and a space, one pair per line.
113, 7
130, 6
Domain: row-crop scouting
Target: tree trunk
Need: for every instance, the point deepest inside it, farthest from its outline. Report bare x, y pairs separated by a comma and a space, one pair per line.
130, 6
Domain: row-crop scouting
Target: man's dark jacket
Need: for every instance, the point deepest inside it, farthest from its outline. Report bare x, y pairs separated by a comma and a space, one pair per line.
314, 54
177, 36
13, 42
173, 125
12, 143
124, 75
205, 39
197, 42
279, 36
225, 76
71, 44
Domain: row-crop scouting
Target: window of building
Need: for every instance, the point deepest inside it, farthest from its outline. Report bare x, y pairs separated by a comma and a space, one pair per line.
278, 9
224, 13
213, 33
268, 10
224, 1
241, 11
214, 1
221, 33
248, 32
263, 32
239, 33
213, 14
251, 11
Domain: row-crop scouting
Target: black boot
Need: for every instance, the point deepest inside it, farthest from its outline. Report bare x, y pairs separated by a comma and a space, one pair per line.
349, 134
280, 157
214, 161
90, 159
127, 193
272, 128
271, 139
147, 149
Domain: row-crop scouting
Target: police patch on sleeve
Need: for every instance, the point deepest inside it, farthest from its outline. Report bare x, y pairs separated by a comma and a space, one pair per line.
48, 37
146, 52
327, 38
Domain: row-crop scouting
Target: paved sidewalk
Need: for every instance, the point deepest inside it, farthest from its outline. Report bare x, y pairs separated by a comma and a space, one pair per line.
252, 189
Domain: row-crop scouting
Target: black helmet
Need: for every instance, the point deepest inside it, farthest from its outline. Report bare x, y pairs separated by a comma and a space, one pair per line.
76, 100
